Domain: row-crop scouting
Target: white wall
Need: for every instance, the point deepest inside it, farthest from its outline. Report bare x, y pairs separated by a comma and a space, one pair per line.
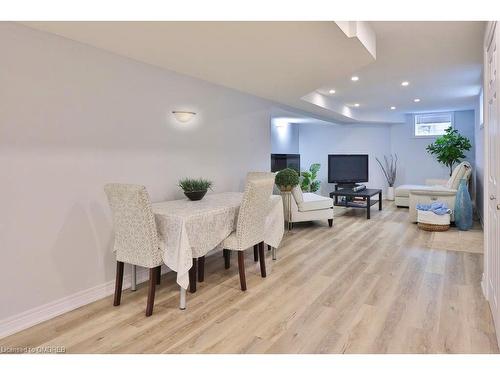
73, 118
316, 141
284, 138
415, 163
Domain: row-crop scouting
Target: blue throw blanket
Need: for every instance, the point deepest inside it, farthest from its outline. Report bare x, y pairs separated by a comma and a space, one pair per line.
438, 208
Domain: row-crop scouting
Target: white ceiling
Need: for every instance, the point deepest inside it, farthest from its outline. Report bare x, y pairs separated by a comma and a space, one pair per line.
441, 60
293, 62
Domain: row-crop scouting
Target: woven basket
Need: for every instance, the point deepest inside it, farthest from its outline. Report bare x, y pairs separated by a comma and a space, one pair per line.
433, 227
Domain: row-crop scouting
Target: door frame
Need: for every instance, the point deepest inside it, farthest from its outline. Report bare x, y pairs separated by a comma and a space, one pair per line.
490, 33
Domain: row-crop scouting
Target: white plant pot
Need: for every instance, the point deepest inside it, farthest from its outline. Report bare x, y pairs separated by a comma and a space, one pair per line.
390, 193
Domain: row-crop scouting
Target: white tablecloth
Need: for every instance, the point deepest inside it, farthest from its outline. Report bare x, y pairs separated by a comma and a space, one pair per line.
191, 229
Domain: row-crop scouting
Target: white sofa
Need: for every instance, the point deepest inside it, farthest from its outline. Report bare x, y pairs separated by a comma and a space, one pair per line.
442, 190
309, 207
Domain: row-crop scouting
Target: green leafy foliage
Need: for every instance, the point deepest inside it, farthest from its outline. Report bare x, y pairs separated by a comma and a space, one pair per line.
287, 177
309, 182
449, 148
195, 184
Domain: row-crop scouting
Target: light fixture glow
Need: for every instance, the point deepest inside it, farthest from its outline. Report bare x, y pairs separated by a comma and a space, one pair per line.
393, 108
354, 78
356, 104
332, 91
183, 116
405, 83
416, 100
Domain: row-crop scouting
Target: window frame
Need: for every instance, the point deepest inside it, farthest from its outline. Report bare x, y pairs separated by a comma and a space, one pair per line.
414, 124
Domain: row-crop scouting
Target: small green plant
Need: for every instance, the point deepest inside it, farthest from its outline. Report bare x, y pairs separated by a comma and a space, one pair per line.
449, 148
195, 184
309, 182
286, 179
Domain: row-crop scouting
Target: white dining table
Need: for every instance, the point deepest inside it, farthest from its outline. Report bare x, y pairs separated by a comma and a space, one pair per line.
191, 229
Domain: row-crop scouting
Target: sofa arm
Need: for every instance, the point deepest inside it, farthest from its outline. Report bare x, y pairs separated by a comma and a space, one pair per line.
440, 192
436, 181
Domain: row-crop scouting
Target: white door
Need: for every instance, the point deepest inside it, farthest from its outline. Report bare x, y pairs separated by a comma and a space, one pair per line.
493, 175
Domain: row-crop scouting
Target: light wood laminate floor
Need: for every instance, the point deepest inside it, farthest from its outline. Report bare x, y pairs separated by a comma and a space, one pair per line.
363, 286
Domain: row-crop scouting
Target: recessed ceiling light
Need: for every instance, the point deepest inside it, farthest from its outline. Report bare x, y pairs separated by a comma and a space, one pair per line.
332, 91
393, 108
354, 78
416, 100
356, 104
405, 83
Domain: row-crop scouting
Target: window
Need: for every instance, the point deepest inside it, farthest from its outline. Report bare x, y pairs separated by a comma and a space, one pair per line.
432, 124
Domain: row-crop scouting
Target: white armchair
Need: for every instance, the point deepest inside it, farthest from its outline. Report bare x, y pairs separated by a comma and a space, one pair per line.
309, 207
434, 189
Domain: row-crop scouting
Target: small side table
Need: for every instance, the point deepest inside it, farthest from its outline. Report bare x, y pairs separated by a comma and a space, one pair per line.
287, 207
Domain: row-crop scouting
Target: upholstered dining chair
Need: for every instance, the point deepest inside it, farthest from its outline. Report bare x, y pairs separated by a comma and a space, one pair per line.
259, 175
250, 226
136, 238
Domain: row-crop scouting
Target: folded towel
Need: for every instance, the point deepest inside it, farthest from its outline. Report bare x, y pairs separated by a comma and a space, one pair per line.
439, 208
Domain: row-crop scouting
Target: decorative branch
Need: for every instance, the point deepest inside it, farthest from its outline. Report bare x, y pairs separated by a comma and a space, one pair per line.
389, 168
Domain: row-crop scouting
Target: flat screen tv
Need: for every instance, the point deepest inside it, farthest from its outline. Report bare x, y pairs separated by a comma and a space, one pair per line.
347, 169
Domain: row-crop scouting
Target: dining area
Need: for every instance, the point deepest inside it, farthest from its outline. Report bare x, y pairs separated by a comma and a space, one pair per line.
182, 233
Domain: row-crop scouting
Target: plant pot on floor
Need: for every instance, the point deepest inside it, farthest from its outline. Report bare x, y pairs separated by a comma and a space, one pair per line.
195, 195
390, 193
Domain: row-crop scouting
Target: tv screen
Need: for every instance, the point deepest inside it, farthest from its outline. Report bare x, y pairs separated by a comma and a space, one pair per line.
347, 168
282, 161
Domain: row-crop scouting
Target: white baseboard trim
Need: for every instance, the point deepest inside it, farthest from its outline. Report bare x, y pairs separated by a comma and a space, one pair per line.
50, 310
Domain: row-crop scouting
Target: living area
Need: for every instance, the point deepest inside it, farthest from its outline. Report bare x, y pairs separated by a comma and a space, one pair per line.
140, 161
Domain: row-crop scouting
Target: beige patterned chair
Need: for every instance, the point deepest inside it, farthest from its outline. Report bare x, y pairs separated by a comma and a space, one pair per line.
250, 226
136, 237
257, 175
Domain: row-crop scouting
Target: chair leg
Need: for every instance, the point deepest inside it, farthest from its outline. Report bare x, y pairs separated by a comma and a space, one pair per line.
256, 253
227, 258
330, 222
192, 276
158, 275
241, 268
153, 274
118, 283
262, 260
201, 269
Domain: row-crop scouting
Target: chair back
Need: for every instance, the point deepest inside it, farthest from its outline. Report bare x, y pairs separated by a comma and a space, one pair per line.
250, 227
272, 175
136, 236
463, 170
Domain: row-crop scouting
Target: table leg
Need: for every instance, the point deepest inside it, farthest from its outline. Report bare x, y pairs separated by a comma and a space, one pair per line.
380, 201
368, 206
182, 302
201, 269
273, 252
133, 286
192, 276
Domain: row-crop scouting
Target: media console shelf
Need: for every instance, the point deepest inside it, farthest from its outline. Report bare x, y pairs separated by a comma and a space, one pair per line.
364, 194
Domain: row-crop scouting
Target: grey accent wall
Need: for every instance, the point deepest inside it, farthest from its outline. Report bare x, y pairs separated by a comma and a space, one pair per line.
415, 163
318, 140
73, 118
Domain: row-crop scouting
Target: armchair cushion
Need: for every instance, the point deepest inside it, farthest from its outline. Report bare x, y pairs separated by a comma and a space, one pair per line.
463, 170
298, 195
313, 202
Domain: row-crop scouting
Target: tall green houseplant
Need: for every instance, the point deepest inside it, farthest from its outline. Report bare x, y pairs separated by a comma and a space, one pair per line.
449, 148
309, 182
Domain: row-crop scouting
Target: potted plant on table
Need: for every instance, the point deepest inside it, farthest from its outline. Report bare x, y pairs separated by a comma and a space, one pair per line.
195, 188
389, 168
287, 179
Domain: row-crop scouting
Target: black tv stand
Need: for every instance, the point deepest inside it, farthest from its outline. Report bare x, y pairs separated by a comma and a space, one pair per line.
349, 194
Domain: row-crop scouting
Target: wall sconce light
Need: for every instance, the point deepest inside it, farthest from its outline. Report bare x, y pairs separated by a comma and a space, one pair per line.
183, 116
